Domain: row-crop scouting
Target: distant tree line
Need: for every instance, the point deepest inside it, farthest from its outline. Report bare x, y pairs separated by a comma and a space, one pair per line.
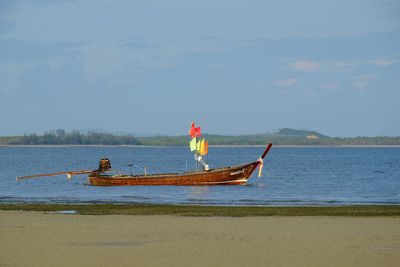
265, 139
284, 136
61, 137
276, 140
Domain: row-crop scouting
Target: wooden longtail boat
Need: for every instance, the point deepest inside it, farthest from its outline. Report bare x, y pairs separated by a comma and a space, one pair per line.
233, 175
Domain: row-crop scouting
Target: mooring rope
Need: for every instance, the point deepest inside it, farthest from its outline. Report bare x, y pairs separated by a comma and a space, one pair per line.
136, 166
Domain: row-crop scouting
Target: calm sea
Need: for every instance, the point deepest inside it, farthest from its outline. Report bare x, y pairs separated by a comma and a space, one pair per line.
291, 176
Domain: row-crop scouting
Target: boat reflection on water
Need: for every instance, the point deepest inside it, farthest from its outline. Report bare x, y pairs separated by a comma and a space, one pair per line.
199, 192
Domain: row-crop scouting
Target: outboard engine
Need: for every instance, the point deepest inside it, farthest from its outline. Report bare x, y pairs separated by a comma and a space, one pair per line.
104, 165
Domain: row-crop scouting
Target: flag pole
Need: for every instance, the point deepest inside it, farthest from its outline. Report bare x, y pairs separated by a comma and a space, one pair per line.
195, 160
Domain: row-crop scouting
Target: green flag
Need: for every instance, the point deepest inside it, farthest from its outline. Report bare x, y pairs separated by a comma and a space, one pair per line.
193, 145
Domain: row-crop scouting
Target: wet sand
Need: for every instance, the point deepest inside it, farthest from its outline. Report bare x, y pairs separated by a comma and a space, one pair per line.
51, 239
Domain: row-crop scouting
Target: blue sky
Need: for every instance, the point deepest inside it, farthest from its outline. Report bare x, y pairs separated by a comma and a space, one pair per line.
233, 67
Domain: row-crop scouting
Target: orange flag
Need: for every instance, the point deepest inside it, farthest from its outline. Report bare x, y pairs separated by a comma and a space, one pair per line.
206, 148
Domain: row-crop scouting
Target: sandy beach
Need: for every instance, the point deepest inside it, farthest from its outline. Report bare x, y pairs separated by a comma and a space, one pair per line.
53, 239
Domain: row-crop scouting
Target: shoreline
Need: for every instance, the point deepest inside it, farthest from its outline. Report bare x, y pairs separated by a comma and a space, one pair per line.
207, 211
239, 146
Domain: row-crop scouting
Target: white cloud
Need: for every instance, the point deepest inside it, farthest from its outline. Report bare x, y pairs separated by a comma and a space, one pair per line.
345, 66
287, 82
10, 72
361, 82
360, 86
329, 86
385, 63
366, 77
305, 65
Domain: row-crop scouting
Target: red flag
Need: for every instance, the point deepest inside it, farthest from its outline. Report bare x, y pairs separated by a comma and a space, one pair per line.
192, 131
197, 132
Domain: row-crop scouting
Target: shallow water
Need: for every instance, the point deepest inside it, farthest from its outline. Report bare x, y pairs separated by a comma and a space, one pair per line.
291, 176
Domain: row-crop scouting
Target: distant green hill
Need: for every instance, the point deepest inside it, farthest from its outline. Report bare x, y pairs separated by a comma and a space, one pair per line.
287, 132
284, 136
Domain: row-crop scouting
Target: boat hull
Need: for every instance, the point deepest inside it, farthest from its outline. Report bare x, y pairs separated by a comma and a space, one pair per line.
234, 175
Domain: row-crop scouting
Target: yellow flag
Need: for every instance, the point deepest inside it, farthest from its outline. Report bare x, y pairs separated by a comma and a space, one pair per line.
69, 175
202, 148
260, 165
198, 146
193, 145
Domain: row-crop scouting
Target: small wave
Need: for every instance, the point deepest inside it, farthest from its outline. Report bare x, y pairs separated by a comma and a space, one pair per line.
1, 198
248, 200
136, 197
